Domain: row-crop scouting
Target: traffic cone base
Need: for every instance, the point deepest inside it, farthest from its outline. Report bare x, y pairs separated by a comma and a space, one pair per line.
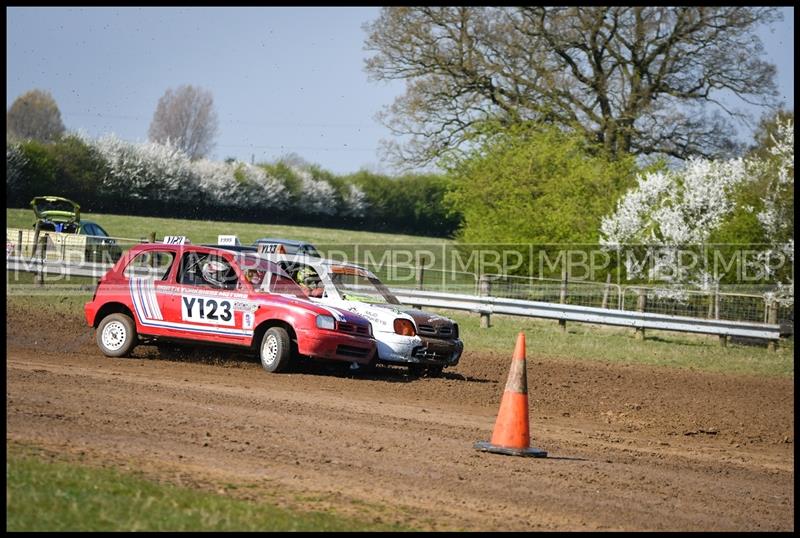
529, 452
511, 433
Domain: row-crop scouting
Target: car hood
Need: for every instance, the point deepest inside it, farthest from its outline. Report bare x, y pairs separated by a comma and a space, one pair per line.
428, 323
56, 209
382, 315
340, 314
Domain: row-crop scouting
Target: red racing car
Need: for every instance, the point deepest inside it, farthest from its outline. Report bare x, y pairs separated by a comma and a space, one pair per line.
185, 292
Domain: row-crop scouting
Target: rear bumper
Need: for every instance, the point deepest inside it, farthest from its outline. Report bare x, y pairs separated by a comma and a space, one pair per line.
90, 311
335, 346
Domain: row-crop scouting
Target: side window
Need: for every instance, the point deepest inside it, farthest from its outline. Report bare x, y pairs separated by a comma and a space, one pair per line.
208, 270
153, 265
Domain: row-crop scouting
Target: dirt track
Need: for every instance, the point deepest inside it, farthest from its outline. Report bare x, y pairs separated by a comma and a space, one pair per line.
633, 448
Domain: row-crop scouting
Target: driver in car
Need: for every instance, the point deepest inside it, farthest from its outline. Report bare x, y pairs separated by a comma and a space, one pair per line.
254, 277
310, 282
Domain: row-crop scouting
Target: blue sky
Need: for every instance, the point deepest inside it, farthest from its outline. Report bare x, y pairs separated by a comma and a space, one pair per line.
284, 80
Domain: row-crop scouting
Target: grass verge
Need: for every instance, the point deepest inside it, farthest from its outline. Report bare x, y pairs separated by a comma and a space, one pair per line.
46, 495
544, 339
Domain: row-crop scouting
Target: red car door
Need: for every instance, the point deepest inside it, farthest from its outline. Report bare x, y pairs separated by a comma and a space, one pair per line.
149, 287
205, 306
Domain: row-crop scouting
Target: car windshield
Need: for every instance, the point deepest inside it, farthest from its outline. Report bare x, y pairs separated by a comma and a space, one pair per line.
99, 231
310, 251
93, 229
355, 284
267, 276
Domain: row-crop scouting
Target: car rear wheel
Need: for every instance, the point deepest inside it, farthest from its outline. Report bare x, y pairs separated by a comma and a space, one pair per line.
276, 350
116, 335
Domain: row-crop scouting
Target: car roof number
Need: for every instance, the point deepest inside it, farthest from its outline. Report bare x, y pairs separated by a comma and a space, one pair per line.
271, 248
175, 240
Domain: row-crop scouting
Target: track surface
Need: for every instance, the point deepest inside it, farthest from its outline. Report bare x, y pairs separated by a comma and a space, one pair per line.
632, 448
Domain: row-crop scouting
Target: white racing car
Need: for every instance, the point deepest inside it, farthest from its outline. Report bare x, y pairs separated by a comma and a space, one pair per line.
424, 341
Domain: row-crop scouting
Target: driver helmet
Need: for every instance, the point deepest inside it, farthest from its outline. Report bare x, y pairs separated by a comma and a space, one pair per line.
214, 272
307, 276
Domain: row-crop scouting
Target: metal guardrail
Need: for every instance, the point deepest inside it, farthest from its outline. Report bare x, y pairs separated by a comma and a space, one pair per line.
50, 267
486, 305
587, 314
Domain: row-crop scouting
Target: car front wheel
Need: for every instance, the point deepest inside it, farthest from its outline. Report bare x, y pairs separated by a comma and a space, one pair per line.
276, 350
116, 335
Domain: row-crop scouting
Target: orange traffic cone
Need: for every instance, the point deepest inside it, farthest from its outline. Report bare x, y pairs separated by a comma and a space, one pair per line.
511, 434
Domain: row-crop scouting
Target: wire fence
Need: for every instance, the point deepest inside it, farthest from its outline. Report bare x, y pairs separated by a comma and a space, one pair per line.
550, 290
754, 307
411, 277
751, 305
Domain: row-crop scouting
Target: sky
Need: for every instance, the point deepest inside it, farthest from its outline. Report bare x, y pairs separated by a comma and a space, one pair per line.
284, 80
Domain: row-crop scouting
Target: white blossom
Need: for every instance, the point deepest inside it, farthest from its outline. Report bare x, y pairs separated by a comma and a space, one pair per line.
147, 170
671, 209
15, 163
354, 202
675, 207
239, 184
316, 196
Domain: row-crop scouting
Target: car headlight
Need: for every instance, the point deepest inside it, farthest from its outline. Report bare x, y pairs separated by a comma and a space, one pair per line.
404, 327
455, 330
326, 322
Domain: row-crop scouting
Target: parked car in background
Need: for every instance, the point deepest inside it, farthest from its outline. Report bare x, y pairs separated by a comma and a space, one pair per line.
57, 215
167, 292
100, 247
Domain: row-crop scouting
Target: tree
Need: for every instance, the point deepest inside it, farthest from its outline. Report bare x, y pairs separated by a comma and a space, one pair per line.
34, 115
535, 184
186, 119
645, 80
769, 192
707, 201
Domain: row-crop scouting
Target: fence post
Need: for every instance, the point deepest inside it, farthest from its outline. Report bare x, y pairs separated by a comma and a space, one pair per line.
641, 304
562, 323
606, 289
19, 243
773, 319
39, 278
723, 338
420, 276
484, 290
152, 237
710, 313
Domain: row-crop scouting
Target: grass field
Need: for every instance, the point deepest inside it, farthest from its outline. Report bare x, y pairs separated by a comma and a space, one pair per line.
206, 231
44, 493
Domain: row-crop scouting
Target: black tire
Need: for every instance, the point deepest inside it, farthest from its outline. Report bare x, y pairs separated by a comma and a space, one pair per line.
416, 370
116, 335
275, 350
435, 371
